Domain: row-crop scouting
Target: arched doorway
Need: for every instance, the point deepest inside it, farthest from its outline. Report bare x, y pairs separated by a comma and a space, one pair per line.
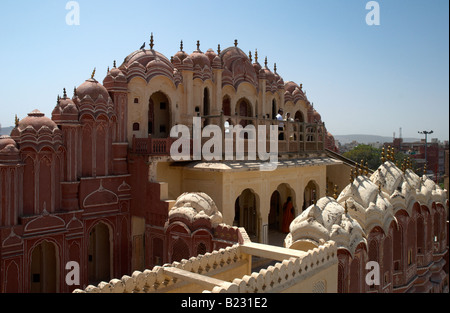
274, 109
206, 105
99, 254
310, 195
244, 109
247, 213
158, 115
282, 212
43, 269
274, 214
299, 117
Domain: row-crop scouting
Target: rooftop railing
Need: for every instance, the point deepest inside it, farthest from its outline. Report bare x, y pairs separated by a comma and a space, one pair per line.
293, 137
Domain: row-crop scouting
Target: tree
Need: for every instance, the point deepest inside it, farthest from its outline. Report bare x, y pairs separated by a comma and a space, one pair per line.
366, 153
372, 156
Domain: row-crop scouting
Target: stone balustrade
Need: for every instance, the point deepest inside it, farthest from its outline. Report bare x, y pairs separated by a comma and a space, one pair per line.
227, 271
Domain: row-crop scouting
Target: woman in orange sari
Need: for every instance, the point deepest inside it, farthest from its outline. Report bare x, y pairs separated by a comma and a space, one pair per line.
288, 215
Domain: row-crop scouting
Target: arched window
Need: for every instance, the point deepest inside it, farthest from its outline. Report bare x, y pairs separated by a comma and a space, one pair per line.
274, 109
180, 250
206, 102
99, 254
201, 249
159, 115
43, 267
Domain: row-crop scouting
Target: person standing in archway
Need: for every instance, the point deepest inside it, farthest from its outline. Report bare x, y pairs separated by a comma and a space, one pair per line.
288, 215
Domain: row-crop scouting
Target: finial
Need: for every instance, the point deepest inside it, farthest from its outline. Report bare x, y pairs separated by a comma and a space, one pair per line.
275, 68
335, 196
301, 86
171, 59
181, 45
361, 171
151, 41
250, 56
388, 153
235, 43
93, 73
107, 71
198, 45
379, 187
74, 92
265, 62
16, 121
356, 170
352, 177
64, 93
425, 169
366, 169
346, 207
218, 49
256, 55
383, 159
114, 63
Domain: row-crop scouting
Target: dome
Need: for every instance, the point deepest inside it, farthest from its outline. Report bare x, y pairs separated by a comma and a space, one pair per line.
181, 55
115, 78
7, 144
237, 68
65, 110
144, 57
200, 59
196, 205
36, 120
290, 86
93, 89
327, 220
147, 64
211, 55
316, 117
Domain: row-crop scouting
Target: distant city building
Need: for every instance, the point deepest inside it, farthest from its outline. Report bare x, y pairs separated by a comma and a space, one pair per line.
416, 150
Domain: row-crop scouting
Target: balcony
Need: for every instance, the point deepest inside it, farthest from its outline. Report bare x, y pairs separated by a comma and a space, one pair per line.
293, 139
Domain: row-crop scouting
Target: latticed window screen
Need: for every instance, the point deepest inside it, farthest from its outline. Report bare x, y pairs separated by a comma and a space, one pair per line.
180, 251
201, 248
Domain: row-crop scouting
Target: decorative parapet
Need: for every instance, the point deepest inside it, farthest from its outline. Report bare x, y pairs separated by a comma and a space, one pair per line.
287, 273
160, 279
216, 272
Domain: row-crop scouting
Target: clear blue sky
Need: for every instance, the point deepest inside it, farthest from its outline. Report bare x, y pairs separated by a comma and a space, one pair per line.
362, 79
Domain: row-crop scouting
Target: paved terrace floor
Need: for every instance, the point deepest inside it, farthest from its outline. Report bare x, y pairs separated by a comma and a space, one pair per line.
276, 238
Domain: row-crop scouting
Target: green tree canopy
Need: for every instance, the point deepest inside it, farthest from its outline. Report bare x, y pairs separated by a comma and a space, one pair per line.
372, 156
366, 153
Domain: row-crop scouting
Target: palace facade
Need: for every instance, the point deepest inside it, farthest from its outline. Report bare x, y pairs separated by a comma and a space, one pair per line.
95, 183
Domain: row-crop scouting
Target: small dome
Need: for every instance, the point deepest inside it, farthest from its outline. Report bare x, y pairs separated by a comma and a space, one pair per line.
200, 59
7, 144
181, 55
211, 55
36, 120
194, 206
290, 86
257, 67
65, 110
93, 89
316, 117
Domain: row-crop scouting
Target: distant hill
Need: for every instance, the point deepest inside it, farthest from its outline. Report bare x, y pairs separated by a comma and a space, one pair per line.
366, 139
6, 130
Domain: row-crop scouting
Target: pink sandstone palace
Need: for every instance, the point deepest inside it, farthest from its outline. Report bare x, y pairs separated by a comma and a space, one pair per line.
95, 184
